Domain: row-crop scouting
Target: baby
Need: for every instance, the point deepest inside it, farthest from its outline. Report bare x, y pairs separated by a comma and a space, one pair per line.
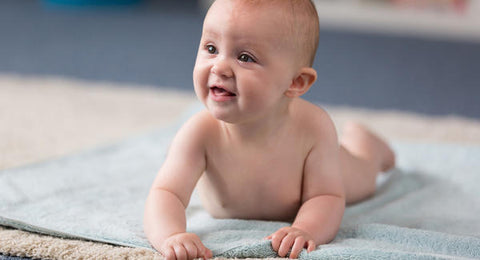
259, 151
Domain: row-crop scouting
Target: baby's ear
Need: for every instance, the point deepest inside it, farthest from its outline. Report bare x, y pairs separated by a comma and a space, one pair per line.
302, 82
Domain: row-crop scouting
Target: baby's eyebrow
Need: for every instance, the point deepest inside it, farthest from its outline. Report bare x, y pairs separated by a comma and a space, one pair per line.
210, 33
250, 43
241, 40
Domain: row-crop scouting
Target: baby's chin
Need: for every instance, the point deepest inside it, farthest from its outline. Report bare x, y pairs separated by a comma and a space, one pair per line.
222, 117
223, 114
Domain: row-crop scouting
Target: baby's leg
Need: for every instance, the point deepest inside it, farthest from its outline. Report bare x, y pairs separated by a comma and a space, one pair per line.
363, 155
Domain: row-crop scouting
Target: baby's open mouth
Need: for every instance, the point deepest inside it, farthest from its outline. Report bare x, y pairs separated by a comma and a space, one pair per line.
221, 92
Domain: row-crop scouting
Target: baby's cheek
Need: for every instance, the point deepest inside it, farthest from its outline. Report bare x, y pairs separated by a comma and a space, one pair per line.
200, 77
196, 75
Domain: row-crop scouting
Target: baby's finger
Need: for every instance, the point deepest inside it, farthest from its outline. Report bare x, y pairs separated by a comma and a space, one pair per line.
311, 246
207, 253
180, 252
297, 247
286, 245
192, 251
277, 238
203, 251
169, 253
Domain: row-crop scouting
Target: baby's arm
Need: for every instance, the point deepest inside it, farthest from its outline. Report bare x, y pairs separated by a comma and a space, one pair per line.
323, 199
164, 216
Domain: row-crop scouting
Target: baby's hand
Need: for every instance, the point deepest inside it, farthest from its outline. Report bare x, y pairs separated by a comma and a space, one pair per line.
184, 246
292, 238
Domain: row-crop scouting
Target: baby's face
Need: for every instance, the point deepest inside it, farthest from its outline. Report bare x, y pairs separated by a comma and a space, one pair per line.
245, 61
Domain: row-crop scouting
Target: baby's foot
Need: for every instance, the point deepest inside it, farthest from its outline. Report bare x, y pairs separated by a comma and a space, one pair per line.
364, 143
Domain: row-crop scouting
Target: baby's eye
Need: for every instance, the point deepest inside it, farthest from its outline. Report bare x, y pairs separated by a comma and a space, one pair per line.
245, 58
211, 49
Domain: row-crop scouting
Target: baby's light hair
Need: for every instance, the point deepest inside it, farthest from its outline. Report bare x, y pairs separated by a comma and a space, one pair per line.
306, 28
303, 22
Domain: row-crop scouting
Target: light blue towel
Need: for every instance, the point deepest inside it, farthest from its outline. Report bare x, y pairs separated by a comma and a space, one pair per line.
429, 208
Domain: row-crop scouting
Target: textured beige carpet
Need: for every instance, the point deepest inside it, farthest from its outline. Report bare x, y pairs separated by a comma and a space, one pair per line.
45, 118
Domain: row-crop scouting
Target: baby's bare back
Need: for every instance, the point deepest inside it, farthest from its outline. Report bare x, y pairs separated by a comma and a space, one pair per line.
256, 180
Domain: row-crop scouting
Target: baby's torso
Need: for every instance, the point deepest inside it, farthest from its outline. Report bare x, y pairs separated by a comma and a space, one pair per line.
256, 181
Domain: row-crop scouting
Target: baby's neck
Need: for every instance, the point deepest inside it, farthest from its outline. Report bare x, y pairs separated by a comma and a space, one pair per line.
258, 130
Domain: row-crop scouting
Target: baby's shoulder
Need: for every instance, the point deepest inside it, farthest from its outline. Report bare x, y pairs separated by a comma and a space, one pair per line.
311, 114
200, 125
313, 119
199, 128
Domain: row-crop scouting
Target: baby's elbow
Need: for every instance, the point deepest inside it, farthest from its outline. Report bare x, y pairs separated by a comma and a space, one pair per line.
170, 195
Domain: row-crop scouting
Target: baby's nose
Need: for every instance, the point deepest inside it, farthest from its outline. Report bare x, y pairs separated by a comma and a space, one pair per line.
222, 68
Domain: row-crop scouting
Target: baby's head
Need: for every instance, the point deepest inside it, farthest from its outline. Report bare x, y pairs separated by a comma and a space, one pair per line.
255, 55
296, 20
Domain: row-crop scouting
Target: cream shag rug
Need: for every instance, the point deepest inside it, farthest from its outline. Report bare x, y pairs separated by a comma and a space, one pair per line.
46, 118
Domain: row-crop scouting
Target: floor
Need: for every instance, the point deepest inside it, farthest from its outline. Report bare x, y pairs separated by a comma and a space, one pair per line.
154, 43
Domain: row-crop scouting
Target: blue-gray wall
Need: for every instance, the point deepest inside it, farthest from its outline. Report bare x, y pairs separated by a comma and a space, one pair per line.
155, 43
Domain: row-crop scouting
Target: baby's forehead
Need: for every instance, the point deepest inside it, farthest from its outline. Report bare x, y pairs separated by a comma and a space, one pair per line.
277, 12
250, 17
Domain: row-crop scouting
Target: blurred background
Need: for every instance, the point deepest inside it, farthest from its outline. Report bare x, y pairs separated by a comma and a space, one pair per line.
421, 56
